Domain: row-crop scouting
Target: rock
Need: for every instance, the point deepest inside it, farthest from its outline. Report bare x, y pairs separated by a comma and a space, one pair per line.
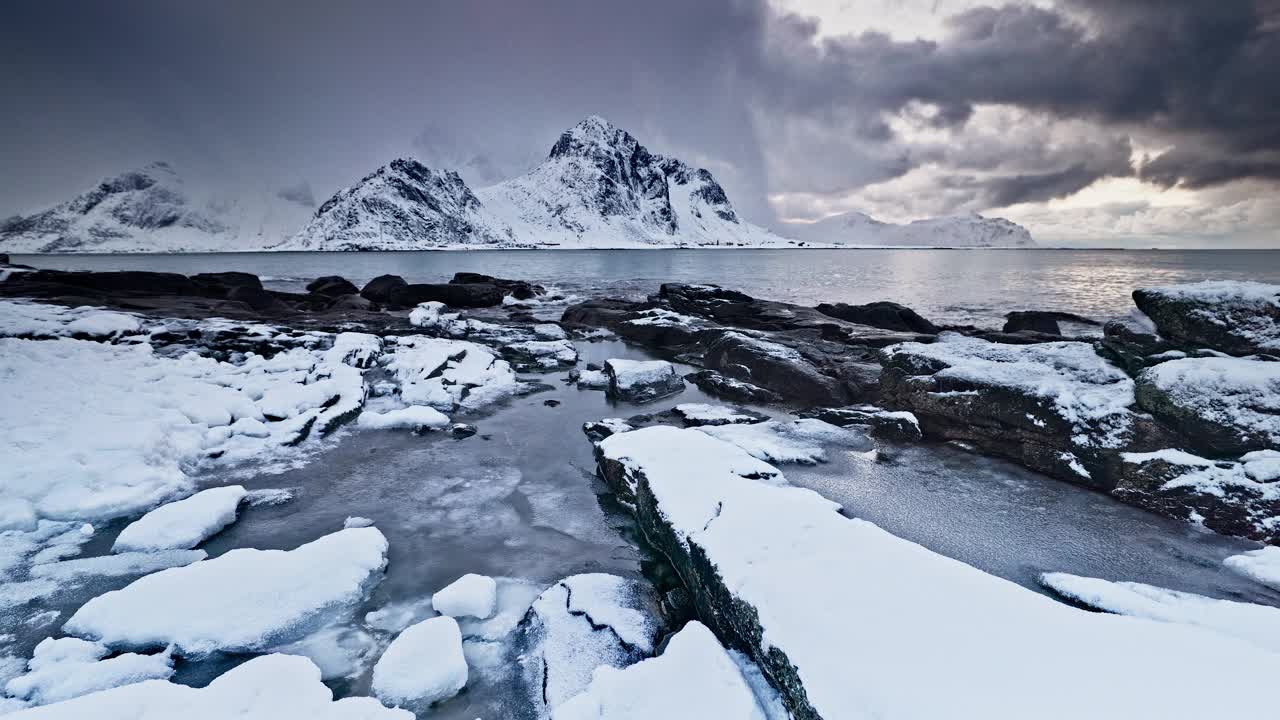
255, 298
777, 367
471, 595
226, 280
122, 282
581, 623
519, 289
454, 295
699, 414
601, 429
642, 381
351, 302
1031, 321
897, 425
542, 354
1055, 407
462, 430
727, 388
423, 665
1133, 343
1220, 405
332, 286
1229, 497
379, 289
4, 258
1237, 318
886, 315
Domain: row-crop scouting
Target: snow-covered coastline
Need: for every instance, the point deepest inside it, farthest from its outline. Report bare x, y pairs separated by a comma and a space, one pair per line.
435, 484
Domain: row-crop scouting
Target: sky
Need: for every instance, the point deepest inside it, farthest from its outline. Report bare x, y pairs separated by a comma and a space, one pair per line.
1105, 122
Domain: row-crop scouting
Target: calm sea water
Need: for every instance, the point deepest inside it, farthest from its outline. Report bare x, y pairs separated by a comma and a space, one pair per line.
963, 286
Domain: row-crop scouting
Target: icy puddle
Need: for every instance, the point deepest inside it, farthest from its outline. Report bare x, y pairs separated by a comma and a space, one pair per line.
1018, 524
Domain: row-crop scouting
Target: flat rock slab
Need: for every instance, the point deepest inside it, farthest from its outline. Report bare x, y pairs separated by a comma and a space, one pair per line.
848, 620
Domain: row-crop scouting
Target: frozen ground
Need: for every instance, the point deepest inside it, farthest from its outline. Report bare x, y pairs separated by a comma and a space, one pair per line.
520, 500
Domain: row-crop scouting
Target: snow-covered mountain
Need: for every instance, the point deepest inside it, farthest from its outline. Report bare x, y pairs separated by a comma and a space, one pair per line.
858, 229
404, 205
152, 209
598, 188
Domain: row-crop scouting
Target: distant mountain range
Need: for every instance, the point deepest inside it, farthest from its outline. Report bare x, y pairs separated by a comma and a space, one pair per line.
598, 188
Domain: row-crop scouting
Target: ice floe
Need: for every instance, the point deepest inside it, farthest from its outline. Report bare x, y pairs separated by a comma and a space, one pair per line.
1262, 565
1255, 624
693, 678
423, 665
271, 687
471, 595
184, 524
67, 668
245, 600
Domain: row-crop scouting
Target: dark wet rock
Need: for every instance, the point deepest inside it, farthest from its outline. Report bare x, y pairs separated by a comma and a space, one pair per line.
727, 388
897, 425
255, 298
4, 258
1221, 406
1032, 321
518, 289
380, 288
462, 430
1233, 318
581, 623
601, 429
351, 302
1133, 344
132, 282
456, 295
551, 403
777, 367
332, 286
885, 315
1232, 498
642, 381
225, 281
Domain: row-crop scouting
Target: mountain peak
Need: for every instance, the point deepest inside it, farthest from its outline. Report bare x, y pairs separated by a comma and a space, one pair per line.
592, 136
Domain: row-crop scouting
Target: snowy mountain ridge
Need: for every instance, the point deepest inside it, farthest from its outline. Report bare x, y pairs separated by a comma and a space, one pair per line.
859, 229
598, 187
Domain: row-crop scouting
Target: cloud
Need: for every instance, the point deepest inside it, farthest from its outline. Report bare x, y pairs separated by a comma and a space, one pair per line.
1002, 105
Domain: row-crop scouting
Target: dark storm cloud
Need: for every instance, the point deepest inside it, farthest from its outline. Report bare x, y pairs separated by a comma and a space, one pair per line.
285, 92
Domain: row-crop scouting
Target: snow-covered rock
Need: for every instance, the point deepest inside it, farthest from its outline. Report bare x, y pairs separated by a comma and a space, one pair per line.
414, 417
1234, 498
245, 600
155, 209
450, 374
1223, 405
20, 318
1252, 623
642, 381
423, 665
581, 623
67, 668
693, 678
1262, 565
545, 354
1234, 317
859, 229
834, 609
1057, 406
798, 441
693, 414
184, 524
471, 595
272, 687
356, 349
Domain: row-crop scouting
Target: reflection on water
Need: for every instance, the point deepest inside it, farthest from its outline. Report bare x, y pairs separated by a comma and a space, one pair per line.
960, 286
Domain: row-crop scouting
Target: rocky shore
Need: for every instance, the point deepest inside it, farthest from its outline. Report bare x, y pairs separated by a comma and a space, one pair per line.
1174, 408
